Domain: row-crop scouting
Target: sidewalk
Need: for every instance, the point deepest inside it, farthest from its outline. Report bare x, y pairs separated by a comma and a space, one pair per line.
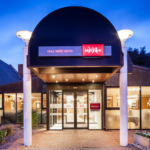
75, 140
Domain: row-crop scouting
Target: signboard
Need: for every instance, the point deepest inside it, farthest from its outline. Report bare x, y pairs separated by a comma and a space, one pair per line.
94, 106
93, 50
86, 50
52, 51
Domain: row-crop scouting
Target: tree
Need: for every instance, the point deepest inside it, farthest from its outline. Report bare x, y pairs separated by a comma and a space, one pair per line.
142, 57
139, 57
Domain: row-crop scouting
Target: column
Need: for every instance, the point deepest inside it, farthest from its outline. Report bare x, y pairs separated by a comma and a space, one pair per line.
123, 101
27, 100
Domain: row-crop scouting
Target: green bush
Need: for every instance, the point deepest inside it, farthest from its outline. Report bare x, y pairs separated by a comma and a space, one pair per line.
2, 136
34, 118
5, 121
7, 128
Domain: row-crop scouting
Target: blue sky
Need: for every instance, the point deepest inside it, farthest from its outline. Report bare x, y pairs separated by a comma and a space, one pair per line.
24, 15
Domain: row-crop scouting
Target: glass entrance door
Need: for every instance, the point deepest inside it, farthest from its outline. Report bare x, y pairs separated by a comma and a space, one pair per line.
75, 109
81, 110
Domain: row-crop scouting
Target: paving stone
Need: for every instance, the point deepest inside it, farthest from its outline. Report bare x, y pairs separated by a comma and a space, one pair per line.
75, 140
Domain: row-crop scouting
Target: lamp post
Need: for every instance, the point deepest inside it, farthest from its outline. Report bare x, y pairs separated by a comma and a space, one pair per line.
27, 119
124, 35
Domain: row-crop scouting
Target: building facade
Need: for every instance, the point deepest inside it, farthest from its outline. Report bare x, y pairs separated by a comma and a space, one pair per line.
75, 57
107, 94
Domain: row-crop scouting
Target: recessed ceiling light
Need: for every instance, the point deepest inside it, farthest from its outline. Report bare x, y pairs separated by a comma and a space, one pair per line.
56, 81
53, 76
96, 76
93, 81
66, 79
82, 79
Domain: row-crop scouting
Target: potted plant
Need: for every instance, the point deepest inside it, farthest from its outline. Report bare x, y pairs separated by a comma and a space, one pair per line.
142, 138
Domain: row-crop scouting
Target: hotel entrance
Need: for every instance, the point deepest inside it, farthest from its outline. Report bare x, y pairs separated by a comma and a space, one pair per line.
75, 109
70, 108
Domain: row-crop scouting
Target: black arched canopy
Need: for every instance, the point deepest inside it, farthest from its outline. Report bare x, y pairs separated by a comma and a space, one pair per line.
73, 27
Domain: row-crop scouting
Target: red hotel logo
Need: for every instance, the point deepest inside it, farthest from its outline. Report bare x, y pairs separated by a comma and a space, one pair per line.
94, 105
93, 50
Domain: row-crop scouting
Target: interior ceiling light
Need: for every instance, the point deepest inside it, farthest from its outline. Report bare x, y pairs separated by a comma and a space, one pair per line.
93, 81
66, 79
53, 76
82, 79
56, 81
96, 76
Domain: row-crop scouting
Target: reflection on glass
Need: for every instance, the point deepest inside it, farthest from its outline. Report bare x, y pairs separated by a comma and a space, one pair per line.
44, 101
55, 109
10, 106
68, 102
1, 101
133, 108
145, 101
81, 102
95, 114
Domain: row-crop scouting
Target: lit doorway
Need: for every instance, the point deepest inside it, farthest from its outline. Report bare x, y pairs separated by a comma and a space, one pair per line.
75, 109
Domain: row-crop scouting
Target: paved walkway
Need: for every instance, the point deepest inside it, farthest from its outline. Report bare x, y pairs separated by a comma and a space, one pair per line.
75, 140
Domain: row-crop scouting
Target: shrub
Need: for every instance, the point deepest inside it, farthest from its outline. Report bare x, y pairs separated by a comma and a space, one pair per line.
8, 128
5, 121
2, 136
20, 117
34, 118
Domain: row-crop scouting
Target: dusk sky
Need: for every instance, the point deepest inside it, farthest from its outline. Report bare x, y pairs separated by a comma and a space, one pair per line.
25, 15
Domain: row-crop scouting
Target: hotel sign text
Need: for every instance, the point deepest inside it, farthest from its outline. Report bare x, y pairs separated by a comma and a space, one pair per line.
86, 50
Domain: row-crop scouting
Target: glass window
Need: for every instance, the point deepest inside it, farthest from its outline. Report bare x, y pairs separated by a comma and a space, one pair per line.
113, 100
68, 100
10, 106
44, 101
55, 109
133, 107
19, 101
81, 107
113, 95
36, 103
145, 106
112, 119
1, 115
94, 112
44, 119
1, 101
